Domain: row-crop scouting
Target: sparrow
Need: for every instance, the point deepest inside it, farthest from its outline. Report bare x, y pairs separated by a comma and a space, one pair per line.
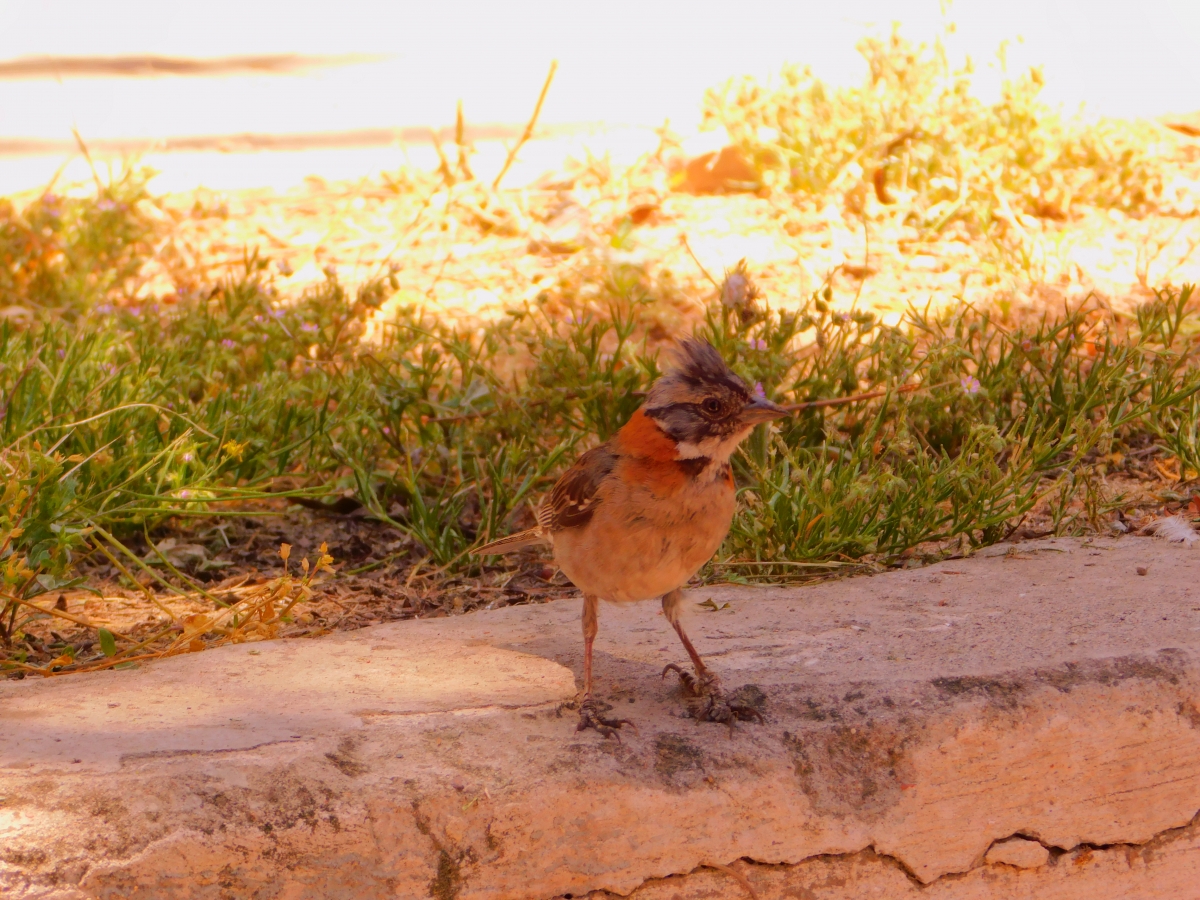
636, 517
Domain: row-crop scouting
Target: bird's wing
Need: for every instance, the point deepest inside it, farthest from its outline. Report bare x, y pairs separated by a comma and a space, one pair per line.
512, 542
570, 503
575, 495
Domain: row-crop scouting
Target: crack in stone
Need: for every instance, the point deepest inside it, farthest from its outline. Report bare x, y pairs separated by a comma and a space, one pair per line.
889, 859
218, 751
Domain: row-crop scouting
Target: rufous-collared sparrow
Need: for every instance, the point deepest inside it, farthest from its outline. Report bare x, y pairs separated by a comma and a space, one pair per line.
636, 517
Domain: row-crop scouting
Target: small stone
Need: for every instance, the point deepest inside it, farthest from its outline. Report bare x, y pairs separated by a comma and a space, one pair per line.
1018, 852
1142, 570
456, 828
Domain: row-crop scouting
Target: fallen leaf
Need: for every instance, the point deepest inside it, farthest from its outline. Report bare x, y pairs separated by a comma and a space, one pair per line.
719, 172
642, 212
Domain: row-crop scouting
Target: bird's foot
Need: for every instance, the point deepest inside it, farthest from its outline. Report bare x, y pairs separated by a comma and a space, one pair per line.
591, 717
706, 702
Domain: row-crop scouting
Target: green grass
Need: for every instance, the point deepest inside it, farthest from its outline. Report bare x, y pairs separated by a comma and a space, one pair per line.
1018, 412
122, 419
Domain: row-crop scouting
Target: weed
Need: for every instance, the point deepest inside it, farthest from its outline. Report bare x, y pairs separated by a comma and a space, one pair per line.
64, 254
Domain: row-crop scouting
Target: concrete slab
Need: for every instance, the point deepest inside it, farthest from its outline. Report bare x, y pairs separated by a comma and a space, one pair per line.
915, 721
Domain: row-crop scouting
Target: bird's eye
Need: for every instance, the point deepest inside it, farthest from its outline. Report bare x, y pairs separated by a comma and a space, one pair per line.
712, 406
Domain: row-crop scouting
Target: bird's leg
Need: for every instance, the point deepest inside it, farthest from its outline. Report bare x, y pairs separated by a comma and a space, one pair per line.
589, 715
706, 701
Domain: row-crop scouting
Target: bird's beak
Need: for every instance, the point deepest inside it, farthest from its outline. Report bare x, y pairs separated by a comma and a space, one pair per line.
760, 409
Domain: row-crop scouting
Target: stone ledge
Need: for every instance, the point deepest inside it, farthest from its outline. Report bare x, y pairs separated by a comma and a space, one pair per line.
916, 721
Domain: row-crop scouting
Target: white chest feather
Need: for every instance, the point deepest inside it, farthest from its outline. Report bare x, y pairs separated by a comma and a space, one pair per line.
718, 448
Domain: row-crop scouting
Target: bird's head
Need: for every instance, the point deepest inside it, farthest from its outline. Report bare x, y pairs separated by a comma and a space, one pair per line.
703, 406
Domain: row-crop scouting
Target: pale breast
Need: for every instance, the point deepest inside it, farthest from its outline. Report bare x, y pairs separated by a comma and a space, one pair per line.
640, 545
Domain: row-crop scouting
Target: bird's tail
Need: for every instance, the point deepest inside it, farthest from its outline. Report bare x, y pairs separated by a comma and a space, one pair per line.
512, 542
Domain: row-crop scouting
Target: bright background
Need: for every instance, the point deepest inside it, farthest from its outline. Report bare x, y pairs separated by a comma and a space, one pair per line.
621, 63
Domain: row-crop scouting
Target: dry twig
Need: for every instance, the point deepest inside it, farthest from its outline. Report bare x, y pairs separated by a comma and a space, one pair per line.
537, 111
735, 874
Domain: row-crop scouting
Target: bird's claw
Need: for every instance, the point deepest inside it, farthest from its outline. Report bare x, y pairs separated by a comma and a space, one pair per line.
590, 717
706, 702
685, 678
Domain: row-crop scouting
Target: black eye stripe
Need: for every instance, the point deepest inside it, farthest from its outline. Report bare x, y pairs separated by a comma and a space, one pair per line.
661, 412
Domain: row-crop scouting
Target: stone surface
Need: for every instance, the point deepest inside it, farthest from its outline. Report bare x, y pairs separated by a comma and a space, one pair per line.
916, 720
1018, 852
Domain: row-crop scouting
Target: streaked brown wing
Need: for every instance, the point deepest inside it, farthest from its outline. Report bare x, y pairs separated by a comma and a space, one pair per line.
574, 497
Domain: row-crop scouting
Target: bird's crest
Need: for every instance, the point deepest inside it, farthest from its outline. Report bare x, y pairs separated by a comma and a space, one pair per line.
695, 366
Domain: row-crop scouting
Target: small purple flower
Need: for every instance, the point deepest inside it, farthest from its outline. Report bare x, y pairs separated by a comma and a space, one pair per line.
187, 457
260, 319
758, 390
386, 430
758, 344
184, 494
735, 291
309, 327
61, 353
228, 344
106, 205
970, 384
277, 314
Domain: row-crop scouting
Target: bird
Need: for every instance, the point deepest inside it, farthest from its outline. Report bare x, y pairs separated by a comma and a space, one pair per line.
636, 517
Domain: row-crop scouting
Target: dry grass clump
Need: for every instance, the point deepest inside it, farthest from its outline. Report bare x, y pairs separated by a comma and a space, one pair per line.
915, 145
915, 133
